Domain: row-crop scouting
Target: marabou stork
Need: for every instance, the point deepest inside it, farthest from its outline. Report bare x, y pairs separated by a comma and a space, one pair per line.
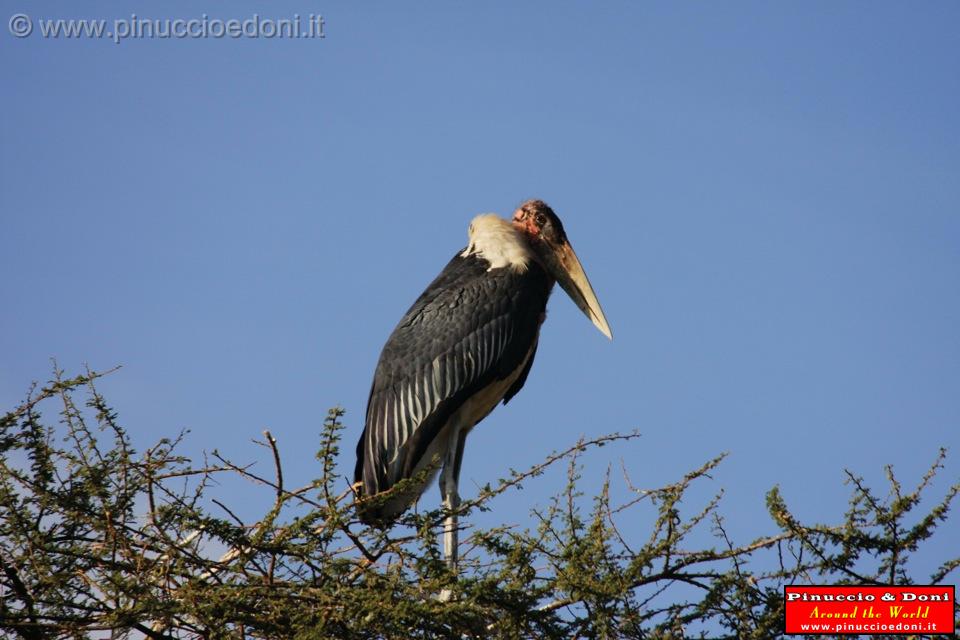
467, 343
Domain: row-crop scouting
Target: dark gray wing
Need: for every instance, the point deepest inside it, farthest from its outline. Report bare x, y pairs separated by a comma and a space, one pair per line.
470, 327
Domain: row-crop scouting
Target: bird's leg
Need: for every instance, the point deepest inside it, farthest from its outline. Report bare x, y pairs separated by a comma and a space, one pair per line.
449, 490
449, 479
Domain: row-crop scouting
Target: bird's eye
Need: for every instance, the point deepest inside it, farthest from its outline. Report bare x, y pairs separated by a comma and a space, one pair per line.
541, 220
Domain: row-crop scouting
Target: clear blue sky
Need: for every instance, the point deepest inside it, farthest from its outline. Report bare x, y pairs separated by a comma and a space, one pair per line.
766, 197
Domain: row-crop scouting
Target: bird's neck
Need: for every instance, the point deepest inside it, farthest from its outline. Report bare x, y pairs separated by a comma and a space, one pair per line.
498, 242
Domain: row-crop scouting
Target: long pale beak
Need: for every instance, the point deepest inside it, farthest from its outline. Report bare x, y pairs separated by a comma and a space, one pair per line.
564, 265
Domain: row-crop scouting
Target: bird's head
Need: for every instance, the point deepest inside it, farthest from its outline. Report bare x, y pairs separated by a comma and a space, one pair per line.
544, 233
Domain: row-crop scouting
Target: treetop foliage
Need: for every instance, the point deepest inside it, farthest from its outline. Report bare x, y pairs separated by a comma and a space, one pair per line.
97, 539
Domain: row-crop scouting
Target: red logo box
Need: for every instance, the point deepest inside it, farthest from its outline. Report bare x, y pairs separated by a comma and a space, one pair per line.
869, 610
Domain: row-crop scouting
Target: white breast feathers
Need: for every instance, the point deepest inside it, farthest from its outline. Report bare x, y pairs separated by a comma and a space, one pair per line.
498, 242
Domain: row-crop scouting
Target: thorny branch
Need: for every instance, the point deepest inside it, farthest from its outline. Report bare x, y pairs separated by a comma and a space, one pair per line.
94, 537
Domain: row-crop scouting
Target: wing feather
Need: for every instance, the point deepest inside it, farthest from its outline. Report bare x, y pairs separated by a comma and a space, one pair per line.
470, 327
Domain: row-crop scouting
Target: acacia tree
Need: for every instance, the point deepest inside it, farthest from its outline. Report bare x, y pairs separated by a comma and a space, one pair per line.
97, 538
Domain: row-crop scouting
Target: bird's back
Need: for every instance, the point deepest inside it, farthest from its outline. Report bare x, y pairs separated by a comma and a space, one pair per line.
473, 327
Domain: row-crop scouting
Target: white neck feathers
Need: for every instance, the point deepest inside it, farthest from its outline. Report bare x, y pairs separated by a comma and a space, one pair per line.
498, 242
